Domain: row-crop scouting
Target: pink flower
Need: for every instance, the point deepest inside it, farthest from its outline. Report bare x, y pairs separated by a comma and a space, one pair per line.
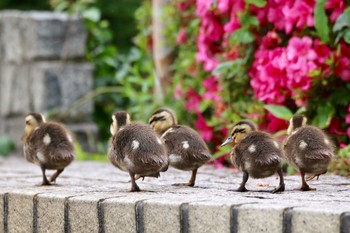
211, 89
347, 119
204, 129
194, 100
335, 127
181, 36
271, 40
336, 7
178, 92
275, 124
203, 7
342, 68
283, 72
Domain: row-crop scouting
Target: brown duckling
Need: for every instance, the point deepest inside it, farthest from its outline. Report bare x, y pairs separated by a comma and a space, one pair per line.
186, 149
256, 154
308, 148
136, 149
47, 144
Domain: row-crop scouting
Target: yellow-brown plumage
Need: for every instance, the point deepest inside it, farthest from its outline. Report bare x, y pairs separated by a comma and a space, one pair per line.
256, 154
136, 149
308, 148
47, 144
186, 149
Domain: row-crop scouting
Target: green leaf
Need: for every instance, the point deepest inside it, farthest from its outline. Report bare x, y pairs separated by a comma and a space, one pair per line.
6, 146
222, 151
324, 116
223, 67
248, 21
242, 35
321, 21
258, 3
93, 14
279, 111
342, 21
347, 36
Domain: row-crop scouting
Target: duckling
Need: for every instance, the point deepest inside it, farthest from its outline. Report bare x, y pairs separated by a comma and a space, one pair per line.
308, 148
186, 149
136, 149
47, 144
255, 153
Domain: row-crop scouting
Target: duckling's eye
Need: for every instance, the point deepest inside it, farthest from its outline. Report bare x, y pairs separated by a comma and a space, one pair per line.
27, 122
239, 131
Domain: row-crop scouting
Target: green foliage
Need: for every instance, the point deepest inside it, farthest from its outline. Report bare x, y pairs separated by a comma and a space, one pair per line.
321, 21
342, 26
82, 155
258, 3
279, 111
341, 163
6, 146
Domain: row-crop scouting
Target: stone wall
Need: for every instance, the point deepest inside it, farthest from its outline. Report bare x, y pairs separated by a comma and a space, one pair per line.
42, 69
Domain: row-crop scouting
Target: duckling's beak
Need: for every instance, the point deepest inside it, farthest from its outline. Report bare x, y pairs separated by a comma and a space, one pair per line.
227, 141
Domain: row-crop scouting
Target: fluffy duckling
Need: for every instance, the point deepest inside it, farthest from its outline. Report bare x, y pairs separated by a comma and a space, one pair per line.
136, 149
186, 149
48, 145
307, 148
255, 153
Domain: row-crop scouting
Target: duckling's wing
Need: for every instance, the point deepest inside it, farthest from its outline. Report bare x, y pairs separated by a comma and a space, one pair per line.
319, 154
271, 158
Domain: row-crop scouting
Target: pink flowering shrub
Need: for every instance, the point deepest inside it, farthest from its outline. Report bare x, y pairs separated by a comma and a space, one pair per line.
237, 58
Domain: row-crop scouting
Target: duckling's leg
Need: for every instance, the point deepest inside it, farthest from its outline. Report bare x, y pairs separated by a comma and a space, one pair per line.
134, 187
55, 175
281, 186
304, 185
45, 181
191, 181
242, 187
193, 177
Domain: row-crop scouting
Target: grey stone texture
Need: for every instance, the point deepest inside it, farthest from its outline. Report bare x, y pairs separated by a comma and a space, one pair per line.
28, 36
94, 197
42, 69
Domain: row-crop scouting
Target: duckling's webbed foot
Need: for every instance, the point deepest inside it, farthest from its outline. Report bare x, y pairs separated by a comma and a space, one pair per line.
281, 185
245, 178
45, 181
304, 185
55, 175
134, 186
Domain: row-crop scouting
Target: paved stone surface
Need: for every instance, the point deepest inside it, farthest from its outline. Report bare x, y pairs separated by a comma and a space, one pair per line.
94, 197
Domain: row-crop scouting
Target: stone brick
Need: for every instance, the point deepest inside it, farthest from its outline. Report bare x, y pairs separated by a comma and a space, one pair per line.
20, 212
162, 215
50, 213
14, 89
11, 38
13, 128
209, 217
56, 84
2, 213
84, 212
317, 219
120, 213
260, 218
41, 35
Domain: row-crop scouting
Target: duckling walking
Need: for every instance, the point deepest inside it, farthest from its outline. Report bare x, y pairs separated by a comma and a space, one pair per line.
136, 149
48, 145
307, 148
255, 153
186, 149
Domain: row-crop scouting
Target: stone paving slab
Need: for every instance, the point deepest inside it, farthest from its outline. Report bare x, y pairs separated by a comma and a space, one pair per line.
94, 197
